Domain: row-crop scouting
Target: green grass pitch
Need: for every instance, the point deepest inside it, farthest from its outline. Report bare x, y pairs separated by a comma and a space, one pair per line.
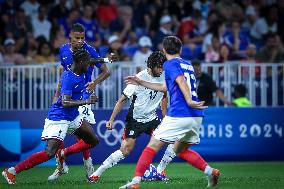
235, 175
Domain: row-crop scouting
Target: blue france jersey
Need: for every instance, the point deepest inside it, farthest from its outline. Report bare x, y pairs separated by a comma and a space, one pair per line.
73, 85
66, 59
178, 106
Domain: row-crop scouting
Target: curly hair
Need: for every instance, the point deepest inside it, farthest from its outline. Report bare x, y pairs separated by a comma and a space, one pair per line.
81, 55
156, 59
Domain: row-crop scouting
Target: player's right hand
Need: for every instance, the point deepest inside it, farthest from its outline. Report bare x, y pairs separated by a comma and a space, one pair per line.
109, 125
197, 105
93, 98
134, 80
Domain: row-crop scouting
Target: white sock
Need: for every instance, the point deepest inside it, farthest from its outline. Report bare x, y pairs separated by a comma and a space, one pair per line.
208, 170
12, 170
136, 179
169, 155
112, 160
87, 160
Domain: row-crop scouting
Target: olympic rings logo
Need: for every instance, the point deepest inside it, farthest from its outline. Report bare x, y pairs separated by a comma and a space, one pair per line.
111, 137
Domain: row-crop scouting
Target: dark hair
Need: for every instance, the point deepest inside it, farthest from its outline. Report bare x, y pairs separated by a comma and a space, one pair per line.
78, 28
241, 89
156, 59
195, 62
172, 45
81, 55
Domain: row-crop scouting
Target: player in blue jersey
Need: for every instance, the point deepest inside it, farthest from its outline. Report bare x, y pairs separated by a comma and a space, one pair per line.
182, 123
77, 40
63, 117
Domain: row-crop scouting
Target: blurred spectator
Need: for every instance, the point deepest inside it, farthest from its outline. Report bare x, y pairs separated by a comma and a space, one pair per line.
31, 8
203, 6
236, 40
91, 26
213, 53
141, 55
124, 23
41, 26
192, 29
140, 8
250, 53
19, 29
250, 21
206, 86
106, 12
165, 30
240, 99
218, 29
69, 21
44, 54
59, 11
280, 23
59, 38
229, 10
272, 52
10, 56
224, 53
180, 9
268, 23
9, 7
115, 47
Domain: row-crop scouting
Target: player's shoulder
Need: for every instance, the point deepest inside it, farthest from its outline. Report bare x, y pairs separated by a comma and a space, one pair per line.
65, 47
88, 47
142, 74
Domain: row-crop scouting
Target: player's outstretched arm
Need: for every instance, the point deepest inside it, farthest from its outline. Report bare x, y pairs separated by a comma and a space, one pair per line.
57, 90
67, 102
117, 108
105, 73
109, 59
187, 94
154, 86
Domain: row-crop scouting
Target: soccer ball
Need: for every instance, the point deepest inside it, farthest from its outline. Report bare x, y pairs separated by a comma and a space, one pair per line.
150, 173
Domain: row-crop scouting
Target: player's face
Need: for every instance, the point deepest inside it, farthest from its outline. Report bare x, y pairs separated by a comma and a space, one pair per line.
157, 71
77, 39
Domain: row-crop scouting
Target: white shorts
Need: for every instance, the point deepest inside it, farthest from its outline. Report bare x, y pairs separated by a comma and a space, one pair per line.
87, 113
179, 129
55, 129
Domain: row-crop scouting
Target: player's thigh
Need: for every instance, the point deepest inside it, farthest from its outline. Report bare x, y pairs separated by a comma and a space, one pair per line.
86, 133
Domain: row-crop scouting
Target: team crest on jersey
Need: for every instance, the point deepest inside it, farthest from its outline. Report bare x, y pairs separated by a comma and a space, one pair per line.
131, 132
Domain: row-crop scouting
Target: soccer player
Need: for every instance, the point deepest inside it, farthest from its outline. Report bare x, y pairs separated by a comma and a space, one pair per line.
141, 117
184, 116
63, 117
77, 40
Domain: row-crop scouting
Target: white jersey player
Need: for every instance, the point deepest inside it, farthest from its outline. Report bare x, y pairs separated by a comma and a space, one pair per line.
141, 117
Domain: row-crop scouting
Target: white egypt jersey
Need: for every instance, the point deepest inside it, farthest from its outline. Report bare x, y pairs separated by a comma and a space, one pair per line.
144, 101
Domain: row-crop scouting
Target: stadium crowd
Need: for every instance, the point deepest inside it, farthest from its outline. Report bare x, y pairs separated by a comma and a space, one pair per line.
213, 31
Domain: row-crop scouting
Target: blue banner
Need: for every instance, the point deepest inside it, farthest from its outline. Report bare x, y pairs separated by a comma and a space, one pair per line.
227, 134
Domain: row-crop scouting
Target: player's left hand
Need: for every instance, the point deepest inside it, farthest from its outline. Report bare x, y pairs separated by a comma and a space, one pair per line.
109, 125
90, 86
197, 105
112, 57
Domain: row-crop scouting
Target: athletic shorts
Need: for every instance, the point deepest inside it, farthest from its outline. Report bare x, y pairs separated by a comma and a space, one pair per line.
87, 113
59, 129
134, 129
173, 129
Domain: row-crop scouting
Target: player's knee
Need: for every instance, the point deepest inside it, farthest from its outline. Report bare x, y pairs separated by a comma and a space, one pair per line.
50, 151
94, 141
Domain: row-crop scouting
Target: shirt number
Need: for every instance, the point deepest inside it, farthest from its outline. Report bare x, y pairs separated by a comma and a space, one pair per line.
191, 82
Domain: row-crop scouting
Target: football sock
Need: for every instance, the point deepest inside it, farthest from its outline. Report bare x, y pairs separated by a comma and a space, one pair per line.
76, 148
112, 160
208, 170
136, 179
12, 170
86, 154
194, 159
144, 161
33, 160
169, 155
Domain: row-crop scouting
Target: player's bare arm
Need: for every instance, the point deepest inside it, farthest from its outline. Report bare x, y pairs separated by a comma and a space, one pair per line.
109, 59
117, 108
57, 91
105, 73
67, 101
164, 104
154, 86
180, 80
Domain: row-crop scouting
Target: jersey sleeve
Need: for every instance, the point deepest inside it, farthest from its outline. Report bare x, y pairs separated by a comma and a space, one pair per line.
173, 69
66, 84
129, 90
65, 58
